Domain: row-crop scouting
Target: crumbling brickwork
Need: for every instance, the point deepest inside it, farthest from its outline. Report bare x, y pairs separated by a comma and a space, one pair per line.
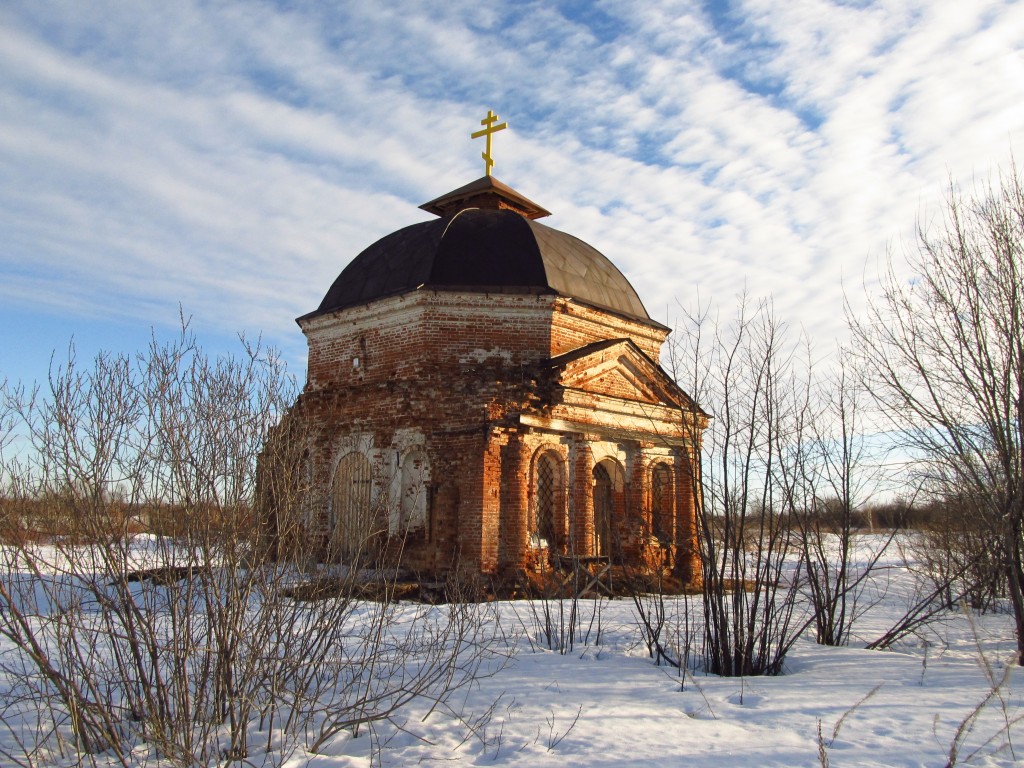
504, 428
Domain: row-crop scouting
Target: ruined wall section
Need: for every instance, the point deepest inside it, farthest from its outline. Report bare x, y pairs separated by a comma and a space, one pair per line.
460, 371
396, 337
457, 437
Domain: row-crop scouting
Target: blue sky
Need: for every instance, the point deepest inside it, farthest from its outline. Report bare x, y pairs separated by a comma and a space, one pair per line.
231, 158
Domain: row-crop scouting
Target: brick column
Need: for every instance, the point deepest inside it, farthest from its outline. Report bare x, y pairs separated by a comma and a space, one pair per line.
515, 501
490, 508
581, 499
445, 527
637, 522
563, 496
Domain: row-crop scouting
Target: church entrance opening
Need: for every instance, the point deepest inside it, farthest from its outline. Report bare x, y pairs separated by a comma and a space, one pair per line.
609, 508
354, 523
602, 511
608, 494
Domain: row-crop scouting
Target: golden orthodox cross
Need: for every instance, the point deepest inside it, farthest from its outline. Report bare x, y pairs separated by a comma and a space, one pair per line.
489, 129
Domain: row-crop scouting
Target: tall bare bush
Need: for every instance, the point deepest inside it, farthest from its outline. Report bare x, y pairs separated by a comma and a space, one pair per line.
747, 373
962, 554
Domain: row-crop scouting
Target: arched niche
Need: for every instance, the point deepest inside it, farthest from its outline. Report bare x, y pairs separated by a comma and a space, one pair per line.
662, 502
414, 504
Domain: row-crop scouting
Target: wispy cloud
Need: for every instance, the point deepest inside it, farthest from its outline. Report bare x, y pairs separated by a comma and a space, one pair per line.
233, 157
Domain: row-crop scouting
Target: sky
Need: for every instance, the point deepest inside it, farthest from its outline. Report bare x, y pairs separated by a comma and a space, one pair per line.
226, 160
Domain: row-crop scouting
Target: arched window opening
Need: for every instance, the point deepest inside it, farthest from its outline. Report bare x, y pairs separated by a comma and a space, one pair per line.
603, 506
609, 508
661, 502
415, 502
548, 500
352, 516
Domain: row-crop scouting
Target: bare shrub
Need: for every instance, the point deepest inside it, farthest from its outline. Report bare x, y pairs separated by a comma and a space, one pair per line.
563, 611
148, 572
958, 549
836, 473
749, 376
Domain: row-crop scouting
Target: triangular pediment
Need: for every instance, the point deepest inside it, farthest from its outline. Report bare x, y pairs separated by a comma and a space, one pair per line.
618, 368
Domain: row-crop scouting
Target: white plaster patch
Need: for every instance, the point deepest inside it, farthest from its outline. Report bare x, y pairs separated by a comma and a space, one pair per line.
602, 449
481, 355
407, 438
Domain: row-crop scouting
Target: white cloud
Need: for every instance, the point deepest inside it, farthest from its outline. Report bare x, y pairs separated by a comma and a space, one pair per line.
233, 157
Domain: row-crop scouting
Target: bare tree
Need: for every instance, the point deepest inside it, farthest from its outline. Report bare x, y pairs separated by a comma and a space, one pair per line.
943, 356
748, 374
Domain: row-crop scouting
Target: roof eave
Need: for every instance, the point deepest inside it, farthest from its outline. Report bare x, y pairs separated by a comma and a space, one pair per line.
485, 192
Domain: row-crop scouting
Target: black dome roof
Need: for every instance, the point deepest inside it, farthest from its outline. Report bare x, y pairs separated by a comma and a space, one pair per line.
484, 250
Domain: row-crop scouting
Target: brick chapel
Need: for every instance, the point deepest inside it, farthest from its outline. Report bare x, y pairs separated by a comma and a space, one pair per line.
488, 397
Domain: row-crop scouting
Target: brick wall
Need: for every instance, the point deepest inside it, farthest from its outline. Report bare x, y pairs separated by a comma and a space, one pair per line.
401, 336
461, 370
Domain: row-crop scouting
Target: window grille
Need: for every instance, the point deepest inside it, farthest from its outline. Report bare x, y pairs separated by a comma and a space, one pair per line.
546, 499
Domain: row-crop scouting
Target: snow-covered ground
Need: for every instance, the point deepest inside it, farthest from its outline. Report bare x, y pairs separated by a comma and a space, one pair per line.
606, 703
609, 705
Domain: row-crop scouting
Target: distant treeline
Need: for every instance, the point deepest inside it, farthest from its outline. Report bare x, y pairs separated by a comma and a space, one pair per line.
829, 515
42, 519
